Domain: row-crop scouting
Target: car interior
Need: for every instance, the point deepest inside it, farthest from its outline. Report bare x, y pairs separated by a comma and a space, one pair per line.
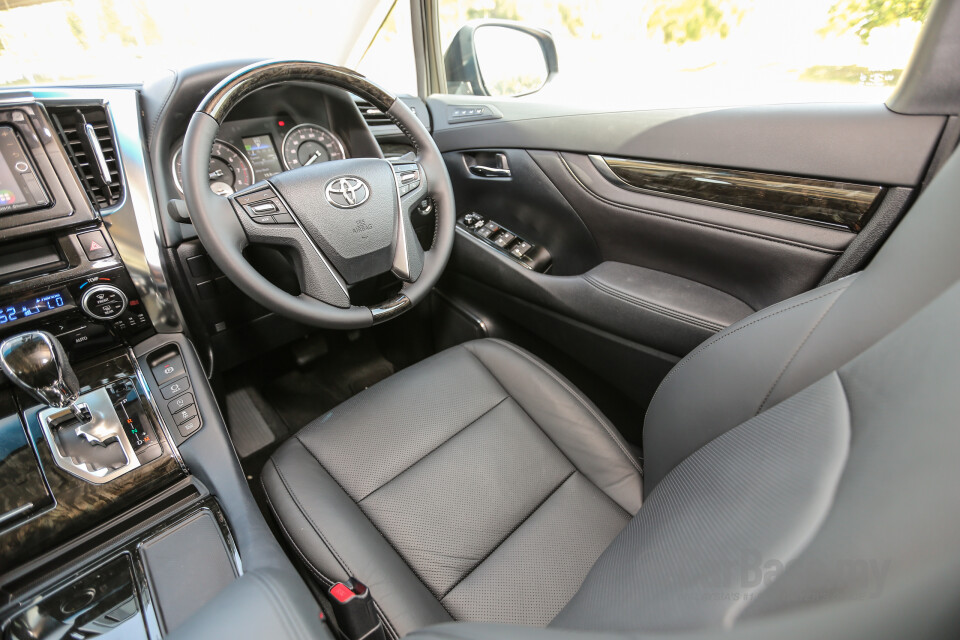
288, 354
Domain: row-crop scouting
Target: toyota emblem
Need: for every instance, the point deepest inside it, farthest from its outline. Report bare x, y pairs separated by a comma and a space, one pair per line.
347, 192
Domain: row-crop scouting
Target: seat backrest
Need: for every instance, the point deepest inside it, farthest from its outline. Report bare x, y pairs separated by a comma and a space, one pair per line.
771, 355
841, 493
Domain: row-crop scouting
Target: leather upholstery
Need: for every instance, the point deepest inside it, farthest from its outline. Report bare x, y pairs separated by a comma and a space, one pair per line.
801, 472
820, 499
778, 351
444, 483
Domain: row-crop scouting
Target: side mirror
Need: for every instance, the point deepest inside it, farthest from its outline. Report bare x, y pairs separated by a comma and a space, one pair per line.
500, 58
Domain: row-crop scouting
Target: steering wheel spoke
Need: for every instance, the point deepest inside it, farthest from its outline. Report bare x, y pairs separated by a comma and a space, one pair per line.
267, 220
408, 256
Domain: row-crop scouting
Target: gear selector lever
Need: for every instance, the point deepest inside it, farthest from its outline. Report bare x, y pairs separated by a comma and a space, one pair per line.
35, 361
84, 432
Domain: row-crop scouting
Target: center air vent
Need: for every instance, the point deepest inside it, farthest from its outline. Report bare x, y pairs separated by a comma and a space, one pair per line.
86, 135
371, 114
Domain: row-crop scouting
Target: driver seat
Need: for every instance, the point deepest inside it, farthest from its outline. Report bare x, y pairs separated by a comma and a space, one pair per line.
480, 485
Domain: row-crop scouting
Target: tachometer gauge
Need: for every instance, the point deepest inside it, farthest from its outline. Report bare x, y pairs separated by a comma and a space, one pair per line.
230, 170
307, 144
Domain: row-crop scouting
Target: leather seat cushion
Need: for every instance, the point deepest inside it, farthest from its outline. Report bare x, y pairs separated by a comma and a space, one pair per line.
477, 485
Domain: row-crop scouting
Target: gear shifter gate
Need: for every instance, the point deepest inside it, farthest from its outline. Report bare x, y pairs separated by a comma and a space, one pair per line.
96, 450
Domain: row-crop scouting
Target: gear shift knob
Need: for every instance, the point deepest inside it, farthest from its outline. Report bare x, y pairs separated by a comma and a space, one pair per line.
36, 362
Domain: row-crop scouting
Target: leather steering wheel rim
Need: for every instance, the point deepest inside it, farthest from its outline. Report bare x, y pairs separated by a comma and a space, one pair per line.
226, 229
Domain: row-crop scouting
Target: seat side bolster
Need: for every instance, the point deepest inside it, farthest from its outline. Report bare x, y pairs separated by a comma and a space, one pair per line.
725, 381
571, 421
319, 517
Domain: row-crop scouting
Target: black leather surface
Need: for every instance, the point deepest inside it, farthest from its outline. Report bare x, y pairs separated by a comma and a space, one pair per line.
437, 484
852, 142
831, 513
755, 258
652, 308
798, 341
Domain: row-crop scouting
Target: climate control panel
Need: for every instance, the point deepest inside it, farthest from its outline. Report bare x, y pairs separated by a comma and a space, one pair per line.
103, 302
86, 314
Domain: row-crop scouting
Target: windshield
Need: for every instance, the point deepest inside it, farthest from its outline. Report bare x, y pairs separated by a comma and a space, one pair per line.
128, 41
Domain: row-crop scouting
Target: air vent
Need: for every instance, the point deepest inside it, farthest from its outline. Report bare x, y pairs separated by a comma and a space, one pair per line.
371, 114
86, 135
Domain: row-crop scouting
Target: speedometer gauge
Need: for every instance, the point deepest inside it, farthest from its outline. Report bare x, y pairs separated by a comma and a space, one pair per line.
307, 144
230, 170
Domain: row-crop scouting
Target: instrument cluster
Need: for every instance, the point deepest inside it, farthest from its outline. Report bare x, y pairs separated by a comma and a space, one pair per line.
255, 149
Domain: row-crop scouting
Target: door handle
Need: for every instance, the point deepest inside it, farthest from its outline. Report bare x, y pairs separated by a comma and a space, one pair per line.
489, 172
487, 164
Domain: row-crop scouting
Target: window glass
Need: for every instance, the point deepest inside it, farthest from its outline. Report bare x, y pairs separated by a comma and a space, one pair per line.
127, 41
390, 60
669, 53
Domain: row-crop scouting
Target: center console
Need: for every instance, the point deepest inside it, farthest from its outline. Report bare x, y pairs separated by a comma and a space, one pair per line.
97, 507
124, 511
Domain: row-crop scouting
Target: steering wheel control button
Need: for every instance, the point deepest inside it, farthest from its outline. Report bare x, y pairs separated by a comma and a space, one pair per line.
168, 369
284, 218
94, 245
180, 402
265, 220
175, 388
264, 208
408, 177
189, 427
103, 302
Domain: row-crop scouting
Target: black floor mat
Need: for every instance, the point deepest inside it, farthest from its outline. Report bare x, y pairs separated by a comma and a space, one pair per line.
301, 395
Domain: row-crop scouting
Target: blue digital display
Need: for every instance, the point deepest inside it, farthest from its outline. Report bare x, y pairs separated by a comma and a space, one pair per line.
24, 309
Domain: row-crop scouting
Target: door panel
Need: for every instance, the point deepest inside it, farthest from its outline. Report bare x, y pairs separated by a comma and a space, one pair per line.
850, 142
642, 273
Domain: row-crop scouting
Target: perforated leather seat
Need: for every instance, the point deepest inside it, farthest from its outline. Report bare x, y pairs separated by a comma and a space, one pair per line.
448, 481
819, 434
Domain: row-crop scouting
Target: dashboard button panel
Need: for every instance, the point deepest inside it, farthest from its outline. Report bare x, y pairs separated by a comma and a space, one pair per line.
103, 302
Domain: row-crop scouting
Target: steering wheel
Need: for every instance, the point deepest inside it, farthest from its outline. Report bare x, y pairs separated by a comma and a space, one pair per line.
343, 221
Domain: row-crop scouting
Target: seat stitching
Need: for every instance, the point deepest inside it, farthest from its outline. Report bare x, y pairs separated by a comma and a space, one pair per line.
674, 314
527, 414
580, 399
513, 530
795, 353
306, 561
722, 335
424, 456
373, 524
286, 534
309, 519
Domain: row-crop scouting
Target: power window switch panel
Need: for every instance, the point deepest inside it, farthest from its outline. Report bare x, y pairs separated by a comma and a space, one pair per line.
504, 239
520, 248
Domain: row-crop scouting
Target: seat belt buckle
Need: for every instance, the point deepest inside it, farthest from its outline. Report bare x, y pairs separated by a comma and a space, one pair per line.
355, 612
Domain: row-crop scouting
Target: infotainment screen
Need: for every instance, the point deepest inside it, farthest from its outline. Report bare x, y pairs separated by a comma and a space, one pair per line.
20, 188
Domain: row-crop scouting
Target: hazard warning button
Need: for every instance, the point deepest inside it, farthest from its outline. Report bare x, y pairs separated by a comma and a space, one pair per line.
94, 245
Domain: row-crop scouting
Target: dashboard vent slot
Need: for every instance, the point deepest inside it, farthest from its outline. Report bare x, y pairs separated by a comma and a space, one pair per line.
373, 116
86, 135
